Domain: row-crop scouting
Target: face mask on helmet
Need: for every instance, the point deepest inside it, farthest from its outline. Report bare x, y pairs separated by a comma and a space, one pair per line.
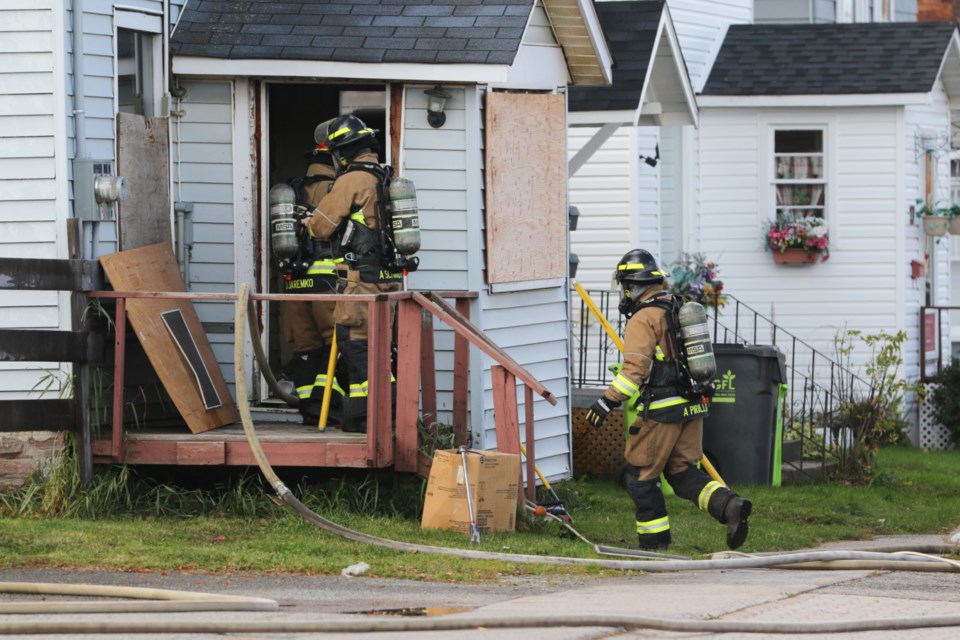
630, 294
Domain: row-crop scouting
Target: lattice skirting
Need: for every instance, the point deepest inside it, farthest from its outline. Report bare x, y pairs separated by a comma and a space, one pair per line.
598, 452
933, 435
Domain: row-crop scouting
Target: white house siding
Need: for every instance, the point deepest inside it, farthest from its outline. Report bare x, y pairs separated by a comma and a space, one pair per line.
201, 140
701, 26
934, 118
533, 327
854, 289
618, 199
781, 11
671, 195
99, 100
438, 163
33, 185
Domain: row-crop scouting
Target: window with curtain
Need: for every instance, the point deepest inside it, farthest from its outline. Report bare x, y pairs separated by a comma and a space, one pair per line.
135, 72
799, 173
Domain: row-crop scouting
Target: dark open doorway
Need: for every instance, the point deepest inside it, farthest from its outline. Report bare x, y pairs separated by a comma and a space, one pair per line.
294, 111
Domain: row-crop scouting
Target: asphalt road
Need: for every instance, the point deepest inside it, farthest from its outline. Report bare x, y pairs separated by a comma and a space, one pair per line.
778, 596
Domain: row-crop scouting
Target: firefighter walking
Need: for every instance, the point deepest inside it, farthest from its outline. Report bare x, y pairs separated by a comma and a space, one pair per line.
349, 216
667, 435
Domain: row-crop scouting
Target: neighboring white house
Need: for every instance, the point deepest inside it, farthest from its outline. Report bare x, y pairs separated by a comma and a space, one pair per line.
246, 85
872, 105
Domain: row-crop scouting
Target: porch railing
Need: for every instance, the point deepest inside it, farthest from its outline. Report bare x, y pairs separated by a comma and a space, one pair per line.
818, 386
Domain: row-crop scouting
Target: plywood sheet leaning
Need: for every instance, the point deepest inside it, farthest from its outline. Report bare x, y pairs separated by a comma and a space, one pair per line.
154, 268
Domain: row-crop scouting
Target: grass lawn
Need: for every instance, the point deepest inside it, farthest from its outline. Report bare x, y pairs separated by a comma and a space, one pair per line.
234, 526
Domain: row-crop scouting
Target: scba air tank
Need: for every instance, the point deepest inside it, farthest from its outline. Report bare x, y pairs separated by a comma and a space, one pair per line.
405, 217
695, 333
283, 221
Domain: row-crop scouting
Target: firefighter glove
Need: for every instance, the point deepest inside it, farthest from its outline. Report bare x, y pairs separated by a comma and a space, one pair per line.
599, 410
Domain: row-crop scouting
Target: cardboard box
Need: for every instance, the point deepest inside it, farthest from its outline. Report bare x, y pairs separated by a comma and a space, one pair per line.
494, 485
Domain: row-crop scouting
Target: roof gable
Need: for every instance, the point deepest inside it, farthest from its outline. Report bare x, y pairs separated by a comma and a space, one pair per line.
650, 81
829, 59
366, 31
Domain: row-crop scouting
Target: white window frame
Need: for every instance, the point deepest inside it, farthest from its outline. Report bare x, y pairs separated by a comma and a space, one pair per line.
149, 23
825, 173
864, 11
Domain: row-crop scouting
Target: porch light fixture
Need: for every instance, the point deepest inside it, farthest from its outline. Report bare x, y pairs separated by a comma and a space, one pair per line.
436, 101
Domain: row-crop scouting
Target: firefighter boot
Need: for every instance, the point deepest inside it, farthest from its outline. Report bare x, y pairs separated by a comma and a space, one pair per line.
653, 525
732, 510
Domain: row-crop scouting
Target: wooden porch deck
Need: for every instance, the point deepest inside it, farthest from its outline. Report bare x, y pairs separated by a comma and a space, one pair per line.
285, 443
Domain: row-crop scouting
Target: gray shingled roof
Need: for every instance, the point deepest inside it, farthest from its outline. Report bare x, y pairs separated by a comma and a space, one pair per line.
630, 28
423, 31
825, 59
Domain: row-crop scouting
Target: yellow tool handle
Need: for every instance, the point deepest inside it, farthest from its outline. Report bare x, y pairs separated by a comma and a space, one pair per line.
599, 316
617, 341
543, 480
328, 388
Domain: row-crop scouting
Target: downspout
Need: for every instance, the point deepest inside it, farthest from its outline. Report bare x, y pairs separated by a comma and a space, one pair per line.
79, 91
87, 248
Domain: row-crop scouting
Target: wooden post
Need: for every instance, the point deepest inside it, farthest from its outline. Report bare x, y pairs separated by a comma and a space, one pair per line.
408, 385
379, 400
461, 369
81, 392
531, 442
505, 416
428, 368
120, 338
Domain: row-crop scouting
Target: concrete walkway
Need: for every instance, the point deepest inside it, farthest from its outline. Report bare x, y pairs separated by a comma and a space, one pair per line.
761, 595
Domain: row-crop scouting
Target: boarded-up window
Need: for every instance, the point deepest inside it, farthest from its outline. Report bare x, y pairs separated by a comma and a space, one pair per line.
526, 187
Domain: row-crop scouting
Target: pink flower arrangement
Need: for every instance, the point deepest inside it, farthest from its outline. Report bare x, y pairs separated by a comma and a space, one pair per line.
809, 234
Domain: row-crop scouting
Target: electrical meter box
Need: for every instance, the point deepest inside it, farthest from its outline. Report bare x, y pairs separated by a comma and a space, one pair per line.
85, 205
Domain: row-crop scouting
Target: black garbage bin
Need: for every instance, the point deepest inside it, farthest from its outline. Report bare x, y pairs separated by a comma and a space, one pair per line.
742, 434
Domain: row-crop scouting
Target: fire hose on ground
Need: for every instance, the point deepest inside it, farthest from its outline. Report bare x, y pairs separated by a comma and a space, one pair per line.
905, 560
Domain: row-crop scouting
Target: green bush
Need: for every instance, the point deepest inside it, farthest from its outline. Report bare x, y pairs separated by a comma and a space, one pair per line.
945, 399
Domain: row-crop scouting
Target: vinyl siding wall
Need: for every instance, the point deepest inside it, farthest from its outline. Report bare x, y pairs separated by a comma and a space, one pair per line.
701, 26
855, 288
33, 186
203, 173
438, 162
533, 327
618, 199
933, 118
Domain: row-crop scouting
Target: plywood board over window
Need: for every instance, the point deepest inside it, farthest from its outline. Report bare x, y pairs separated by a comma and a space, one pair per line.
143, 159
526, 187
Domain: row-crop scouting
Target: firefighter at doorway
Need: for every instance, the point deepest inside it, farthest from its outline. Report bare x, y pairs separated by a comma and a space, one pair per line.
667, 434
309, 324
349, 216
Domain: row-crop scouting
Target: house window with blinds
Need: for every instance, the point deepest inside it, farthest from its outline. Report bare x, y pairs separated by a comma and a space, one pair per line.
799, 173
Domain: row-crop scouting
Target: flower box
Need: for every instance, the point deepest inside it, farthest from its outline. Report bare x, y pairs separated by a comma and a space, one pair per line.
798, 240
936, 225
795, 256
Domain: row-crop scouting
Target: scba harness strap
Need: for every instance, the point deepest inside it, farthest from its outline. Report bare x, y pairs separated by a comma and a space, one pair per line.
671, 394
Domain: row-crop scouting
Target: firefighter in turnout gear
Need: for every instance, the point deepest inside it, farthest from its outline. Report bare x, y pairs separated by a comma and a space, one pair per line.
350, 216
309, 324
666, 436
